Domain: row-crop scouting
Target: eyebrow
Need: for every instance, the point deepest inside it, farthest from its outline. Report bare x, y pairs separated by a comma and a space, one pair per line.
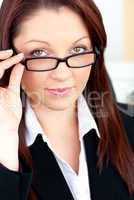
42, 41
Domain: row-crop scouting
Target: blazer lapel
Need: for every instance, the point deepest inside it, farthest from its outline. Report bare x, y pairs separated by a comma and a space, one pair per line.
108, 184
48, 180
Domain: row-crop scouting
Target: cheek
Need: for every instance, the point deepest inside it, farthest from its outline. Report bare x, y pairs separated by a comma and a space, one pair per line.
82, 77
31, 81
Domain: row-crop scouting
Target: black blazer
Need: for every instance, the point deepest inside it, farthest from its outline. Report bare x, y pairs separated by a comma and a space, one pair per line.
49, 182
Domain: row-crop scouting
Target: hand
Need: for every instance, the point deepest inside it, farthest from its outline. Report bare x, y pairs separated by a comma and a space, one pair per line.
10, 109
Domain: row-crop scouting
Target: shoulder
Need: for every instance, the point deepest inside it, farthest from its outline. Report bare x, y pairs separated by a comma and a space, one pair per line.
127, 115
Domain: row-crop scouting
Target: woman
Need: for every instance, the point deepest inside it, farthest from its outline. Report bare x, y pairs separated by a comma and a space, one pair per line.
61, 133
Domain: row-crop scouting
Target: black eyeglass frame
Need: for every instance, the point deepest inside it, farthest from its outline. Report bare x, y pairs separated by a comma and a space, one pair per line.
65, 59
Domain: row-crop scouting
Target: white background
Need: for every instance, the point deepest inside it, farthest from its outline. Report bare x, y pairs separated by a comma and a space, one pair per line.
121, 72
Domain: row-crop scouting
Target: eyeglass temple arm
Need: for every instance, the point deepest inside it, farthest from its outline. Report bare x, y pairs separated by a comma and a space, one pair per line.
98, 52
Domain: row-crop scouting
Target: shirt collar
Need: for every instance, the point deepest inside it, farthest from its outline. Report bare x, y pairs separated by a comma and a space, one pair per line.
85, 120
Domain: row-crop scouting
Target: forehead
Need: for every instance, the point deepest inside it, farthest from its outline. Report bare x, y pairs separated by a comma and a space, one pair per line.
52, 25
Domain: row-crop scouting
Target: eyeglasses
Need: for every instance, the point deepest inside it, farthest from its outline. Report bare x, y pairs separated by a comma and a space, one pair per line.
80, 60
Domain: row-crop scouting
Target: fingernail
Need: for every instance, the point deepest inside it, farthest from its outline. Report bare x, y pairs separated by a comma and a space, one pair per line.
8, 50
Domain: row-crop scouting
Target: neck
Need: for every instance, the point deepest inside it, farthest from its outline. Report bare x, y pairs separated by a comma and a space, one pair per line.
54, 122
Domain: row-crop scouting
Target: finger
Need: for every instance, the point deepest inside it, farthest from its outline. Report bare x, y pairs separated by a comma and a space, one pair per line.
15, 78
4, 54
11, 61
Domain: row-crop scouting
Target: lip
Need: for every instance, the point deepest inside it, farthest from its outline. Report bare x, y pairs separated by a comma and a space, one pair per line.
60, 91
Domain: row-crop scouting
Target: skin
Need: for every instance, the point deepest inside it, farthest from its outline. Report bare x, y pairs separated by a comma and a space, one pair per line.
63, 28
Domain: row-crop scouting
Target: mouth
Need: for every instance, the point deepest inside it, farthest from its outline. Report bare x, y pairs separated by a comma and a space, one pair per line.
60, 91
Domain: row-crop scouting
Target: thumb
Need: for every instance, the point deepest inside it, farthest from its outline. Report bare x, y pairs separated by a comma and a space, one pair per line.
15, 78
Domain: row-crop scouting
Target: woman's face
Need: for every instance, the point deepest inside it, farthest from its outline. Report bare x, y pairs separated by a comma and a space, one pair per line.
54, 33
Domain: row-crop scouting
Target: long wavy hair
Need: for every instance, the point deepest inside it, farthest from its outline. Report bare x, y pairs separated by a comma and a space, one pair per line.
113, 145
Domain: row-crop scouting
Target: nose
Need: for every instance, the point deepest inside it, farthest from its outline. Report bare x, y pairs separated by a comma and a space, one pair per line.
62, 72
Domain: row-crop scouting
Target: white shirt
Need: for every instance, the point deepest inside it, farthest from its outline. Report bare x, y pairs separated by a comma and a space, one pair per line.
78, 183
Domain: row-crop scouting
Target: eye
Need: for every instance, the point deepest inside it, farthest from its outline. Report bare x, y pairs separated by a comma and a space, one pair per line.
38, 53
80, 49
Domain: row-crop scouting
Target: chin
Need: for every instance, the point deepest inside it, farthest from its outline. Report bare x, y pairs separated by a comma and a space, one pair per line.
59, 104
57, 107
